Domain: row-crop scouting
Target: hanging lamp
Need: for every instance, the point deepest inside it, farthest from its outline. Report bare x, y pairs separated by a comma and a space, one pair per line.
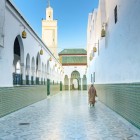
94, 49
41, 51
103, 33
24, 34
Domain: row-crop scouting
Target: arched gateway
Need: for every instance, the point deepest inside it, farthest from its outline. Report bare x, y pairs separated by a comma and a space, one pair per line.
75, 81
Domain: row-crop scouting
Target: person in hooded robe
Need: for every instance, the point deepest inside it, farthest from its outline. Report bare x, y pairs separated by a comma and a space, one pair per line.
91, 95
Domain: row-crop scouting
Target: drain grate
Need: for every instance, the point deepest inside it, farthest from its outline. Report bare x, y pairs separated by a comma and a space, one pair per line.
24, 123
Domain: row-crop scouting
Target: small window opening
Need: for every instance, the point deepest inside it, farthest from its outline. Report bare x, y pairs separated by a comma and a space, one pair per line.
115, 14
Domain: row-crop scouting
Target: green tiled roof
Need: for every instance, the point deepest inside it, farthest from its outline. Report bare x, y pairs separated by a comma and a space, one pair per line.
74, 60
73, 51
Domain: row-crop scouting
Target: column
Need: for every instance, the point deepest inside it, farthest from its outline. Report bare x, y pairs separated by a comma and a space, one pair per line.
69, 83
23, 81
81, 84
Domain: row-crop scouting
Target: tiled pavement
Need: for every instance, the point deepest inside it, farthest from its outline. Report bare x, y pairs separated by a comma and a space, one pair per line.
66, 116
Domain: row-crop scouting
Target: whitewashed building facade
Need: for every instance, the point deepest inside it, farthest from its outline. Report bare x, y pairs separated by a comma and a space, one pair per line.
113, 48
28, 71
23, 60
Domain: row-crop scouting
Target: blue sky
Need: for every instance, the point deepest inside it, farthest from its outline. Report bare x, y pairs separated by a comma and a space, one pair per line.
72, 16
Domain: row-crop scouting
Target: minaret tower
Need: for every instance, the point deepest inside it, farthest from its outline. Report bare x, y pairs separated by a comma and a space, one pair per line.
49, 30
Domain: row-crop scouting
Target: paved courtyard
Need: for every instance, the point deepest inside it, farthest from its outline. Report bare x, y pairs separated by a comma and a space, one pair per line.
66, 116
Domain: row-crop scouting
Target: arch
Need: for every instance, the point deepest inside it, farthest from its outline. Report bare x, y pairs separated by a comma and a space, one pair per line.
75, 81
38, 62
19, 48
75, 74
18, 61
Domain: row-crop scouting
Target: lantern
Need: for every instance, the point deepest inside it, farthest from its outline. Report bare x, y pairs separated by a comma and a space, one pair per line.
24, 34
103, 33
94, 49
50, 59
90, 58
41, 52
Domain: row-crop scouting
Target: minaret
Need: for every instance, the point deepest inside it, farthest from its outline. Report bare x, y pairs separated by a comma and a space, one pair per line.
49, 30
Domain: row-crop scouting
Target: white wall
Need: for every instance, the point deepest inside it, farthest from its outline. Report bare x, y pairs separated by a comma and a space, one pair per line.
69, 69
14, 25
118, 60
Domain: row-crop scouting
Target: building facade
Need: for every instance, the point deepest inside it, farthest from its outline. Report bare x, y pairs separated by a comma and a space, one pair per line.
74, 63
24, 58
27, 67
113, 56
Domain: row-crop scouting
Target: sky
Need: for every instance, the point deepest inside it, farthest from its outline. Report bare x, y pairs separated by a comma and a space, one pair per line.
72, 16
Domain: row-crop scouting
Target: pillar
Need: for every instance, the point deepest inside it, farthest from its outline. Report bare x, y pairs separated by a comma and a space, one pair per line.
23, 81
81, 84
69, 83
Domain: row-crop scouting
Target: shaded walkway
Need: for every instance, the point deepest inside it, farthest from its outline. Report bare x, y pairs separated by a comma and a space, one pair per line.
66, 116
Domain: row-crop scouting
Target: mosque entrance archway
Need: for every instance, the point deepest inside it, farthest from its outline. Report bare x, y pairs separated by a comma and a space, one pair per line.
75, 81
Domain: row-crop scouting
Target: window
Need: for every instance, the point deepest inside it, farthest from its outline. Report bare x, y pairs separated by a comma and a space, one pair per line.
115, 14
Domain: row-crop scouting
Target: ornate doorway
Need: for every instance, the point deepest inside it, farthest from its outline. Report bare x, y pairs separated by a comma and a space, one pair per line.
75, 81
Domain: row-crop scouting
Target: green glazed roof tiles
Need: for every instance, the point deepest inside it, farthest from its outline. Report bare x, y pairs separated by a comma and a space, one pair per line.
74, 60
73, 51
